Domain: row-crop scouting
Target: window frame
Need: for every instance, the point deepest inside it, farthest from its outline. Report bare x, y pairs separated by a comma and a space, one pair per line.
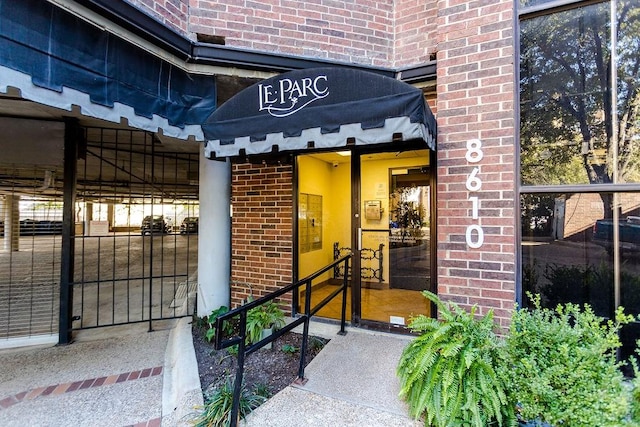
527, 13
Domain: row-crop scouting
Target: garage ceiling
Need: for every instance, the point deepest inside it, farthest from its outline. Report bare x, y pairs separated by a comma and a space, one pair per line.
32, 154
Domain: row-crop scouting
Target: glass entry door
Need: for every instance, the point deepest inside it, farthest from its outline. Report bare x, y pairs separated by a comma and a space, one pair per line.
378, 206
395, 236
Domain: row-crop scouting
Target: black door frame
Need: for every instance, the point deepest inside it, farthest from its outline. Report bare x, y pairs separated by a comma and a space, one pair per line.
356, 230
356, 263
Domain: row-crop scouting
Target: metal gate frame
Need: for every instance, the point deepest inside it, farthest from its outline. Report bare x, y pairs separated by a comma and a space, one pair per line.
100, 285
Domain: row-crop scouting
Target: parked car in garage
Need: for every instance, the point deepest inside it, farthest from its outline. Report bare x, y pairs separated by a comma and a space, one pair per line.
32, 227
189, 225
154, 224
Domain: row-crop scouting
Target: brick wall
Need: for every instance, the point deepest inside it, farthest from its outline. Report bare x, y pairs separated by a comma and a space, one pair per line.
372, 32
415, 32
172, 13
261, 230
475, 101
582, 210
352, 31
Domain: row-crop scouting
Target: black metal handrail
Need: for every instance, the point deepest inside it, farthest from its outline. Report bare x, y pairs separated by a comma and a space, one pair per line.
241, 313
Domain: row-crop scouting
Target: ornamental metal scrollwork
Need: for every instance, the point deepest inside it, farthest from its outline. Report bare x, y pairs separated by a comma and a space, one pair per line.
365, 254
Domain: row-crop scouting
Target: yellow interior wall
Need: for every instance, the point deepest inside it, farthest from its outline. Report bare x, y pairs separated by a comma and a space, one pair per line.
341, 205
321, 178
333, 183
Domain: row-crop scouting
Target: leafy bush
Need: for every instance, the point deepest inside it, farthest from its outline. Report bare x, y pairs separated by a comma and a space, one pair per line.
211, 322
289, 349
316, 344
561, 366
448, 373
265, 316
635, 390
217, 409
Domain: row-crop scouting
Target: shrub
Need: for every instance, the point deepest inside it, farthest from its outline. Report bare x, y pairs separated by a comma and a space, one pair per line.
211, 322
289, 349
265, 316
561, 366
447, 373
217, 409
635, 391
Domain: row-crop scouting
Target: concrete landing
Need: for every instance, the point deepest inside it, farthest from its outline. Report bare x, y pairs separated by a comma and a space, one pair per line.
352, 382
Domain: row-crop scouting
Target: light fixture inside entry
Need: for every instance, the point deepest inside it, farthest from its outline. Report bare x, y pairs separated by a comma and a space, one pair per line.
343, 153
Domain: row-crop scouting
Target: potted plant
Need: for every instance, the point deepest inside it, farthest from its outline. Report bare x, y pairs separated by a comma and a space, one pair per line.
263, 320
448, 373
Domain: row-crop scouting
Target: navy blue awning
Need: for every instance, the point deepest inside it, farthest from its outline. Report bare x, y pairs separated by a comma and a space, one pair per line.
319, 108
60, 60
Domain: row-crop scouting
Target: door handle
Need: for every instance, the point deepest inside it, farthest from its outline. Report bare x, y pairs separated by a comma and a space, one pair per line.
359, 239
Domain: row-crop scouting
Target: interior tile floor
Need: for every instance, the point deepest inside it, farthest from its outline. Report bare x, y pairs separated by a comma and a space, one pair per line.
377, 304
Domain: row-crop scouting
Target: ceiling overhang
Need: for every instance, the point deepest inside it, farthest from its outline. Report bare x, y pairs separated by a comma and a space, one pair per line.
60, 60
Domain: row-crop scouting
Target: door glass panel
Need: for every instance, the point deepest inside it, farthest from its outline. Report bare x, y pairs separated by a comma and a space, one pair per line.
395, 236
324, 224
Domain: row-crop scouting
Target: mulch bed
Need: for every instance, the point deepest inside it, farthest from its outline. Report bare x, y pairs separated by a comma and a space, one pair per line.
273, 368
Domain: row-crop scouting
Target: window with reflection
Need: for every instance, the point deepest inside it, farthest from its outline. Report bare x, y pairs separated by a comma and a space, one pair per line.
567, 250
580, 139
570, 132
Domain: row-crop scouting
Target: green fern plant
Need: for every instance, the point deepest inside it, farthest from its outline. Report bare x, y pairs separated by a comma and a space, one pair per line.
448, 373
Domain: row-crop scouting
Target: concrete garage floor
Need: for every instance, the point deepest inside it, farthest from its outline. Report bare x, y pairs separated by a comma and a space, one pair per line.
29, 281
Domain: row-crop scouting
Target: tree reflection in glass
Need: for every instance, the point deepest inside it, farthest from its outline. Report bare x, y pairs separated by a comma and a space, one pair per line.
568, 128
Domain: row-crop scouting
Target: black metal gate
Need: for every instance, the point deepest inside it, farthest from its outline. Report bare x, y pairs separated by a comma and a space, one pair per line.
135, 244
30, 246
93, 237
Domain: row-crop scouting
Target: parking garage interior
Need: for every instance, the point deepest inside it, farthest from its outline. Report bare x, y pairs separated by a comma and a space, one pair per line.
120, 273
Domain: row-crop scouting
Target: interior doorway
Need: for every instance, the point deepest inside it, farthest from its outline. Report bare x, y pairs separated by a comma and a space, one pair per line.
378, 206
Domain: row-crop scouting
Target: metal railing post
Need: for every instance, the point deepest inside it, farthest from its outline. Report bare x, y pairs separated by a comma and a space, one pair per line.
344, 299
305, 331
237, 386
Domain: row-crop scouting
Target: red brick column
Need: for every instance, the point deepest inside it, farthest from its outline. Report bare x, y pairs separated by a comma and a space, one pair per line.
261, 230
476, 103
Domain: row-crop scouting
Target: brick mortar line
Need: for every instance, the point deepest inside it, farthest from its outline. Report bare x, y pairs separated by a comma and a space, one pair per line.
58, 389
